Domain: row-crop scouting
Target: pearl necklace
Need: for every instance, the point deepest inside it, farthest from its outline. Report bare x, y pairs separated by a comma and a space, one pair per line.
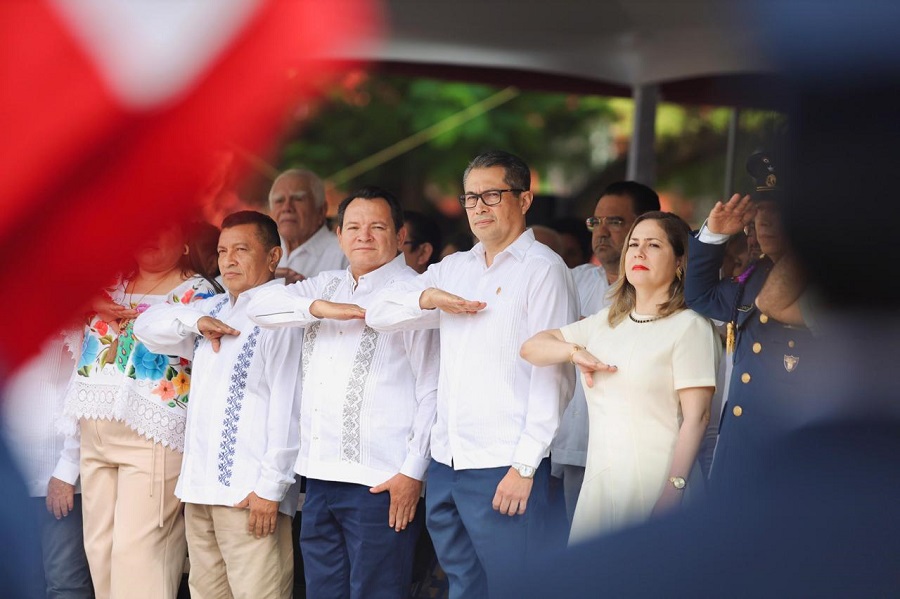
642, 320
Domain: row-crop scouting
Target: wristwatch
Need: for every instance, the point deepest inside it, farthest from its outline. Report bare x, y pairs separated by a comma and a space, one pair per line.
678, 482
524, 471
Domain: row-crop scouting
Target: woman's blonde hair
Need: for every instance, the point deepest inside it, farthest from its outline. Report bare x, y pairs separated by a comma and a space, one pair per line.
623, 293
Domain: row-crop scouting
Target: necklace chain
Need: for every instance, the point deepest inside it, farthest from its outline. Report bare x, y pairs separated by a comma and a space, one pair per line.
642, 320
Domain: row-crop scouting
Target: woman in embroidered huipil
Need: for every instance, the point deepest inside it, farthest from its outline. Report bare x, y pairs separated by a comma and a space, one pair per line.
130, 404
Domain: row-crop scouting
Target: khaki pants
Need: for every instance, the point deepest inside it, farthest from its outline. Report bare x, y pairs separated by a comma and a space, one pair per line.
133, 523
228, 562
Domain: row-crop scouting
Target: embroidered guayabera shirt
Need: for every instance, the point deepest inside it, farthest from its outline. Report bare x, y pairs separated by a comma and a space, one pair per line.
368, 397
493, 408
243, 417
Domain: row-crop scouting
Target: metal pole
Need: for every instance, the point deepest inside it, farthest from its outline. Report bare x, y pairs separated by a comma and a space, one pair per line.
729, 153
641, 152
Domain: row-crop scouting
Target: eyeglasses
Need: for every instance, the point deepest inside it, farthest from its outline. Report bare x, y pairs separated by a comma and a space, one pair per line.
613, 222
491, 197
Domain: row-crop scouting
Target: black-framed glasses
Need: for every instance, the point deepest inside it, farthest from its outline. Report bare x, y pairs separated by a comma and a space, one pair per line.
491, 197
613, 222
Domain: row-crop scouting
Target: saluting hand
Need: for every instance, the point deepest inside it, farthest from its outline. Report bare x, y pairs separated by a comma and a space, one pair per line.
732, 216
588, 365
290, 276
214, 329
336, 310
433, 298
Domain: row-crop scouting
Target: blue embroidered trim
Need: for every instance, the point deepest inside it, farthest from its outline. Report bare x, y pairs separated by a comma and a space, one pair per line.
233, 406
214, 313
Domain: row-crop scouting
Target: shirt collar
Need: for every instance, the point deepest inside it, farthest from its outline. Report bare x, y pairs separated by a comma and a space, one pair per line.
247, 295
379, 277
517, 249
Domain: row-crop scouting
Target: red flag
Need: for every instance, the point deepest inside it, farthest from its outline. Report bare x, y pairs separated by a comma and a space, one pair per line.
112, 114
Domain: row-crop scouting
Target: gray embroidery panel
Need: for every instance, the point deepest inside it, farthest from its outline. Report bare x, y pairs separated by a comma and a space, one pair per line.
359, 374
312, 331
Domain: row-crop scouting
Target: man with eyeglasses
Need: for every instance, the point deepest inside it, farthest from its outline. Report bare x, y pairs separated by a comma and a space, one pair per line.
487, 504
618, 207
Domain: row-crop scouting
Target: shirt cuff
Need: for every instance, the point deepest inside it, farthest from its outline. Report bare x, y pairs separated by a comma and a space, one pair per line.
415, 466
707, 236
272, 491
529, 452
411, 299
66, 471
189, 321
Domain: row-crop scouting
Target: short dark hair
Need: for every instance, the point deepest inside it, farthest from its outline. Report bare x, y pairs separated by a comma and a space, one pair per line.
517, 174
371, 192
266, 229
574, 226
424, 229
643, 199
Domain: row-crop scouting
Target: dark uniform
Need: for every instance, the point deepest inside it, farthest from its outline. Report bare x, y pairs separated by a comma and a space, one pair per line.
769, 370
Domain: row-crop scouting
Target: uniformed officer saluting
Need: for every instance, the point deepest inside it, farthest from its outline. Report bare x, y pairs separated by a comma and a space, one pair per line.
767, 355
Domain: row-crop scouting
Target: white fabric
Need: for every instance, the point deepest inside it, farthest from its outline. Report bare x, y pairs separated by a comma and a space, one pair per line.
707, 236
320, 253
493, 407
243, 416
31, 407
368, 397
569, 447
635, 413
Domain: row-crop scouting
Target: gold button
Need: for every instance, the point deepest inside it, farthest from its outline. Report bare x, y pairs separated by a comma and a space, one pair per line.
757, 347
745, 378
737, 411
763, 318
791, 344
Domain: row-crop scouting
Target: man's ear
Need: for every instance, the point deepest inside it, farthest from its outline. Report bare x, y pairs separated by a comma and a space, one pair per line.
275, 257
526, 197
401, 236
425, 253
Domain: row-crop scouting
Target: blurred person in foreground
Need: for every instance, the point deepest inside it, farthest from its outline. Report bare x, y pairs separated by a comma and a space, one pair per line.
130, 404
648, 365
487, 505
297, 204
242, 437
815, 515
32, 406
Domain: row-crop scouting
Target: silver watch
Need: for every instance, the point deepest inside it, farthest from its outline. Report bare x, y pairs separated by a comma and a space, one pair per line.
524, 471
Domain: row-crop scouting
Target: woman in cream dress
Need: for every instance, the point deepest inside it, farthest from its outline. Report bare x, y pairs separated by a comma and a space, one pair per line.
649, 369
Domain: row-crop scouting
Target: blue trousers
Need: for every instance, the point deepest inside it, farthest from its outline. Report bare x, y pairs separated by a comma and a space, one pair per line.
349, 551
66, 573
477, 547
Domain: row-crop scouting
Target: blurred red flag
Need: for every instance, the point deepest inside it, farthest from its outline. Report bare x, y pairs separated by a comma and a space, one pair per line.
112, 114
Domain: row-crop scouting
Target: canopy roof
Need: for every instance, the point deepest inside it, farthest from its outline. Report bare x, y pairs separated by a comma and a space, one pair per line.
698, 51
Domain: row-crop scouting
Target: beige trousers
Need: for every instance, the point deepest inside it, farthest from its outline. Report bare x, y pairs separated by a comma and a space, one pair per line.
133, 523
228, 562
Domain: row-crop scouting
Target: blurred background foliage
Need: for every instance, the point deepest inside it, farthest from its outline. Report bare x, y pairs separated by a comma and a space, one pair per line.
415, 136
